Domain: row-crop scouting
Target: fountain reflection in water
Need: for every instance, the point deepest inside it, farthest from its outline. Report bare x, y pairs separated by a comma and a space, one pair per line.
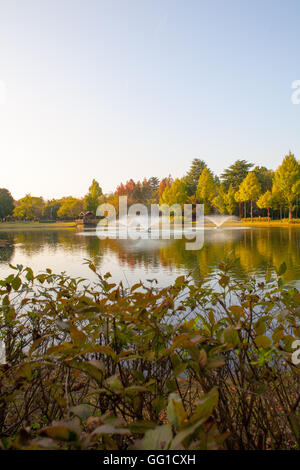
140, 222
140, 226
132, 226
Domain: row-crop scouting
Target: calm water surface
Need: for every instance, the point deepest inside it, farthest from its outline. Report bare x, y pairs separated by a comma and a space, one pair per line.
131, 260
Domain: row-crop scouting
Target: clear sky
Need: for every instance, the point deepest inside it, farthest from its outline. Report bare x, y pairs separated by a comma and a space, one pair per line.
114, 89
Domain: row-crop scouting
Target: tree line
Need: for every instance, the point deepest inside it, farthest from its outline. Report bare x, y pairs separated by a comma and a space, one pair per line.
242, 189
36, 208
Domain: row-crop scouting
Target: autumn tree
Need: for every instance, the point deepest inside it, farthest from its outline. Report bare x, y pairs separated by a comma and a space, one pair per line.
175, 194
70, 208
225, 200
140, 192
250, 190
277, 198
6, 203
287, 181
265, 201
230, 201
239, 200
163, 184
219, 201
206, 189
145, 192
113, 199
29, 208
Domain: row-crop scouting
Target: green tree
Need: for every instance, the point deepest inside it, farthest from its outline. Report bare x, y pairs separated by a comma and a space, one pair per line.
250, 189
92, 199
206, 189
230, 201
219, 201
193, 175
278, 201
265, 201
265, 177
146, 191
225, 201
29, 208
239, 200
51, 208
175, 194
6, 203
287, 181
153, 183
236, 173
141, 192
70, 208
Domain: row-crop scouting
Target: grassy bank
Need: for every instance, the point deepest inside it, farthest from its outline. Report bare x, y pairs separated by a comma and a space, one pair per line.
295, 223
35, 225
69, 225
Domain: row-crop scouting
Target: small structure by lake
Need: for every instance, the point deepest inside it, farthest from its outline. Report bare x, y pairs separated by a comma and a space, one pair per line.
87, 219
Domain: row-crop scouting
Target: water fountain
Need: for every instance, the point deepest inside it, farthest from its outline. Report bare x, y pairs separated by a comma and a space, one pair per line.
218, 220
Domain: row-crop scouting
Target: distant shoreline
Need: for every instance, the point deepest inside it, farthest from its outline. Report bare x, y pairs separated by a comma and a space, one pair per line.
272, 223
71, 225
36, 225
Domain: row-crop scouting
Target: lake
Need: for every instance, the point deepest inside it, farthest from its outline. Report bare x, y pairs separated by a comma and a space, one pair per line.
164, 260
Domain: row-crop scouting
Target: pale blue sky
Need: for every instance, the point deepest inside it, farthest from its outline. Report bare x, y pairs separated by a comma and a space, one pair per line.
113, 89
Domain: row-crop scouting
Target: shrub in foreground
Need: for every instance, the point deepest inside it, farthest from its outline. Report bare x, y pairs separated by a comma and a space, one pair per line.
204, 365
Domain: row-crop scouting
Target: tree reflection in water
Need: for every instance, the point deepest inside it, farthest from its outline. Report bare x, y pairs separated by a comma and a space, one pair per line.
256, 248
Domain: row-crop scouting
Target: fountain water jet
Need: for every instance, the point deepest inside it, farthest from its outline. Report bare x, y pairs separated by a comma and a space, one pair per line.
219, 220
